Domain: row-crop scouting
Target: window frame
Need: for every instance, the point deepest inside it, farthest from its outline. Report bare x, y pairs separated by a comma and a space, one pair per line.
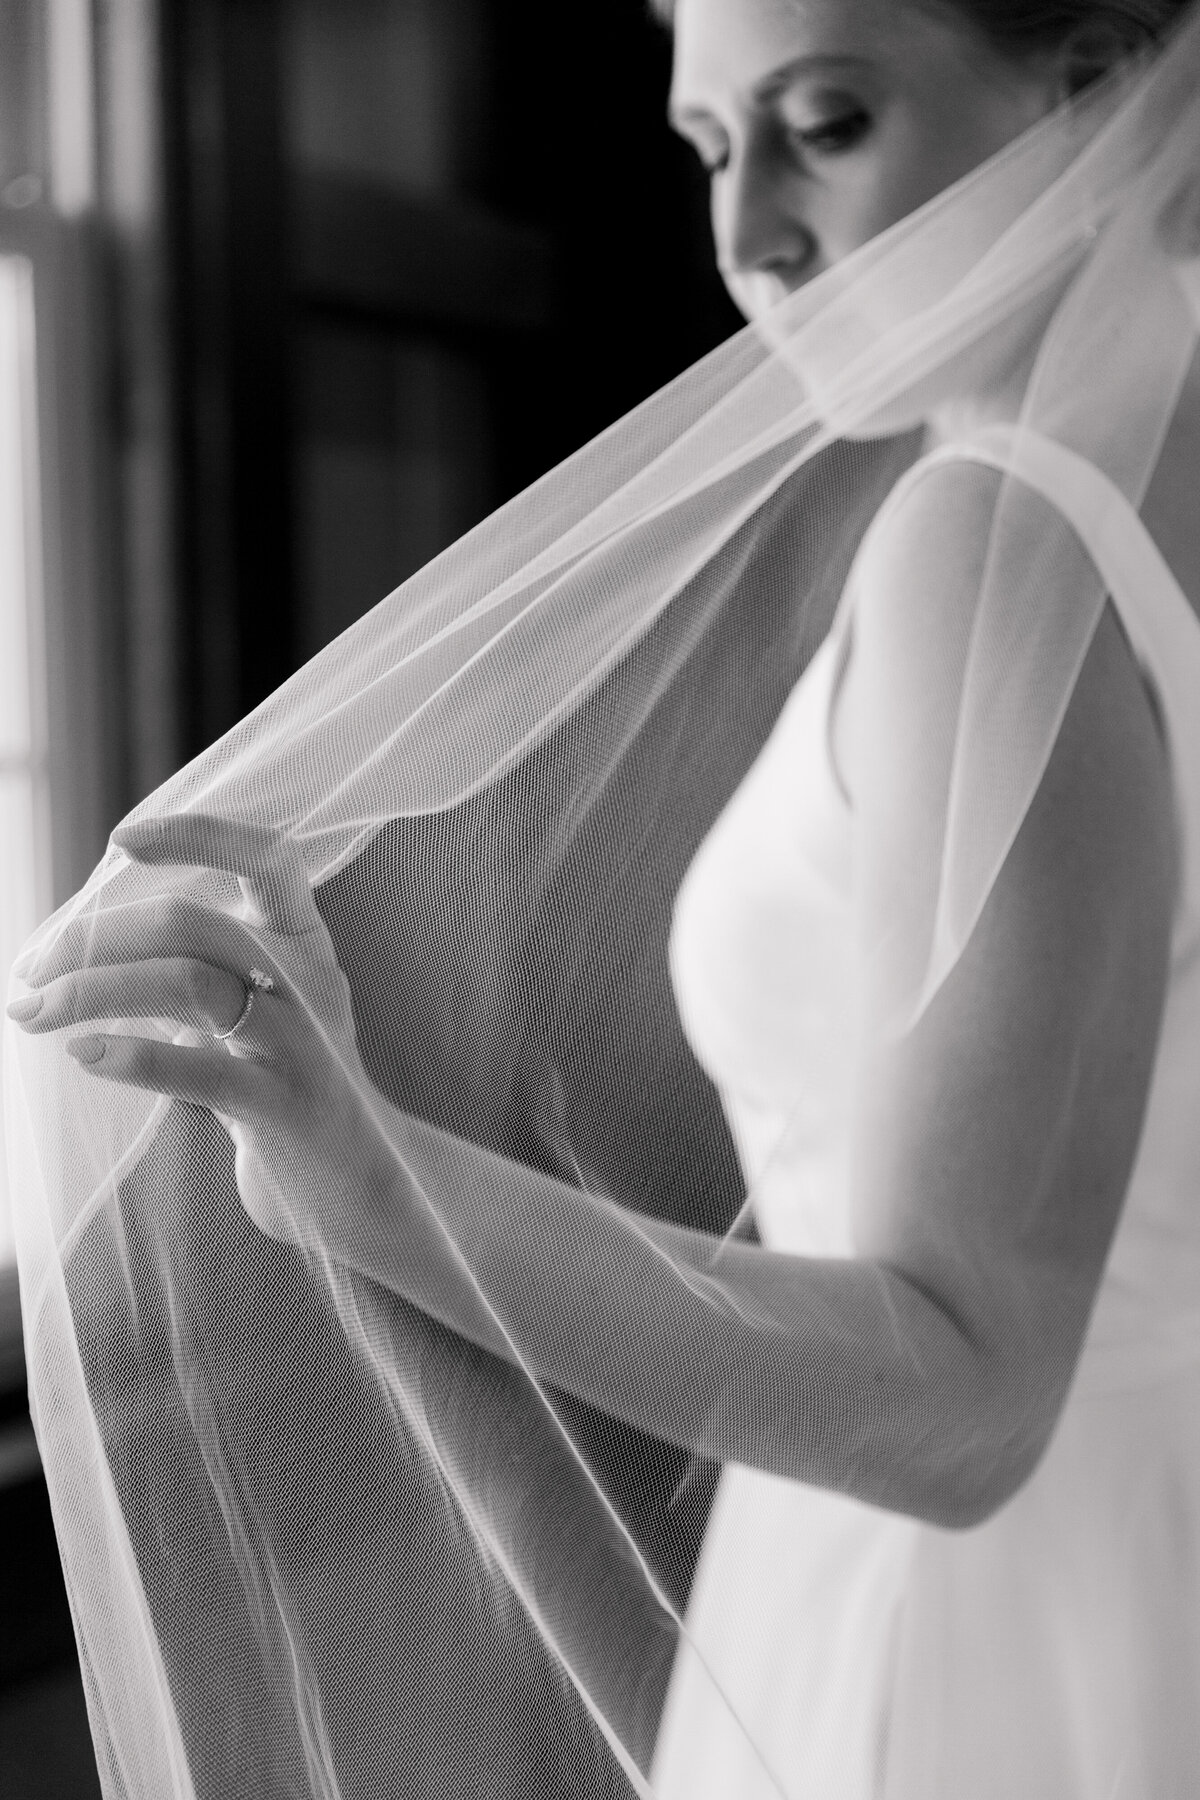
81, 640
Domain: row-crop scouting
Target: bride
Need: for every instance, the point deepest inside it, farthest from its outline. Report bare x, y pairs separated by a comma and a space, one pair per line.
937, 954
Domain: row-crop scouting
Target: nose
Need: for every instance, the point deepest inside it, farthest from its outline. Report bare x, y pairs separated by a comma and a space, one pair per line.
758, 221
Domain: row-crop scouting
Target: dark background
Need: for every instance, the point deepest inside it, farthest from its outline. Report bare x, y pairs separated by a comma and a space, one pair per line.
418, 252
353, 272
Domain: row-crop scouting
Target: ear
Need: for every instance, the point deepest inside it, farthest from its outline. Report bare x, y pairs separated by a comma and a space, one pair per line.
1094, 49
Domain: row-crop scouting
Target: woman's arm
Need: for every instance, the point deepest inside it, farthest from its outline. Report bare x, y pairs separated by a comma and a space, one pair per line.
994, 1146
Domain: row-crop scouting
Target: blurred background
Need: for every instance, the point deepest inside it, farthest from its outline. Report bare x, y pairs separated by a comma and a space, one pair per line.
292, 293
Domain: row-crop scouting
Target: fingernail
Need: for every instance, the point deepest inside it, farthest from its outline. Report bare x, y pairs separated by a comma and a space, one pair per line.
86, 1049
140, 828
128, 835
26, 1008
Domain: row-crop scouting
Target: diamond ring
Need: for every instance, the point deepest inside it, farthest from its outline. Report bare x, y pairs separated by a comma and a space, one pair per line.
257, 982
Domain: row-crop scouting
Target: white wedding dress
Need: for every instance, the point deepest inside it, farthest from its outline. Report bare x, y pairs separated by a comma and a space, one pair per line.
1052, 1653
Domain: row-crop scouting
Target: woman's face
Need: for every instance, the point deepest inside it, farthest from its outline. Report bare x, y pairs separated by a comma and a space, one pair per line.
822, 122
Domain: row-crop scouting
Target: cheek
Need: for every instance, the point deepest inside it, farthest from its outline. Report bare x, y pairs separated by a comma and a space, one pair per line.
953, 139
858, 201
924, 161
861, 206
909, 161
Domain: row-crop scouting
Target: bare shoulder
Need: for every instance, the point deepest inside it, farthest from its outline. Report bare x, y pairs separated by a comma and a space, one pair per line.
931, 536
959, 492
953, 534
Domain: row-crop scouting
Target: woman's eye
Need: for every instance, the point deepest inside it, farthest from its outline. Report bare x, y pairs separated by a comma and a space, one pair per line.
833, 135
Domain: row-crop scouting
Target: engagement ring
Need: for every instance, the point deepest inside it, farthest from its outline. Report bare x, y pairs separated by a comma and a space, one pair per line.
257, 982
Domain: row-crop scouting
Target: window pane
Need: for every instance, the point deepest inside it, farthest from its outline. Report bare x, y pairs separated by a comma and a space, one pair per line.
393, 462
24, 808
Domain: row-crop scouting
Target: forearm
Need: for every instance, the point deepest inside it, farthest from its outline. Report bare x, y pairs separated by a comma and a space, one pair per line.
837, 1372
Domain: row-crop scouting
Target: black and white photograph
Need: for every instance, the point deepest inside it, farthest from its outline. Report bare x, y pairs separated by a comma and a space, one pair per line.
600, 899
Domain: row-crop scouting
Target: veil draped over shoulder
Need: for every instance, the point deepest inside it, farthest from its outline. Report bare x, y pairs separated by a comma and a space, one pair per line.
323, 1535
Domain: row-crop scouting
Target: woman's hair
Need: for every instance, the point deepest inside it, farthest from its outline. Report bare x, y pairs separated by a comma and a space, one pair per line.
1020, 27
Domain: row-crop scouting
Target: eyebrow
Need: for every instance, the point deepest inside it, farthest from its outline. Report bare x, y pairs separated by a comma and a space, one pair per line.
767, 86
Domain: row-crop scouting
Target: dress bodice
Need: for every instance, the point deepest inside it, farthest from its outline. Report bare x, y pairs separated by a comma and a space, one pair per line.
763, 959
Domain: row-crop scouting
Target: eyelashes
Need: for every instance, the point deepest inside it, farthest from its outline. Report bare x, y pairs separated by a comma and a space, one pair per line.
831, 136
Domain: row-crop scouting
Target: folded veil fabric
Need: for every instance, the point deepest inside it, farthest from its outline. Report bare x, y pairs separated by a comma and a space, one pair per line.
316, 1542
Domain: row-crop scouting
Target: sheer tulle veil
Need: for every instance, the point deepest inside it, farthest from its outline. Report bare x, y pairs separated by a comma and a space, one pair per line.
318, 1542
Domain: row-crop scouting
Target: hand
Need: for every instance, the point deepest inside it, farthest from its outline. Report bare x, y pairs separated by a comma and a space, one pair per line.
287, 1083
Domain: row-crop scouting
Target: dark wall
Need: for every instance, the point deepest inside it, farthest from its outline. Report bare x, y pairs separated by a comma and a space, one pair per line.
421, 249
584, 149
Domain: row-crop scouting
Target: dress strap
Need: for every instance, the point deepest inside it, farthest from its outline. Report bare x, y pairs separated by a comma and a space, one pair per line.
1153, 608
1159, 620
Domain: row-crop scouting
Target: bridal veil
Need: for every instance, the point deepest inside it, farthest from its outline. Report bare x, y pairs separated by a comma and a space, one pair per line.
317, 1544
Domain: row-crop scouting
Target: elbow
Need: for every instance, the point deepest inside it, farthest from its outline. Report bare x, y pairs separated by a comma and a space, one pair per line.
970, 1495
995, 1452
978, 1494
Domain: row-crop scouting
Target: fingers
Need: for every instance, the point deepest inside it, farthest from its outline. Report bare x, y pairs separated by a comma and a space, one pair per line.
201, 994
163, 927
270, 873
236, 1087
